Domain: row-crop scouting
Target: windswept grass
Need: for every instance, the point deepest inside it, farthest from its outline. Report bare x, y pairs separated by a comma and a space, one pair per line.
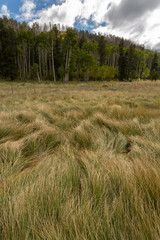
80, 161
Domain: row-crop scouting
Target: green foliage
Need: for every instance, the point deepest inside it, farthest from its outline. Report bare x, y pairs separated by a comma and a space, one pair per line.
155, 68
42, 40
69, 54
90, 47
8, 43
154, 75
121, 62
85, 63
34, 71
132, 63
61, 72
106, 72
102, 50
145, 73
70, 39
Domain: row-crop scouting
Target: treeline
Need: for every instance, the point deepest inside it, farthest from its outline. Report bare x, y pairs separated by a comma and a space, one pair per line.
52, 53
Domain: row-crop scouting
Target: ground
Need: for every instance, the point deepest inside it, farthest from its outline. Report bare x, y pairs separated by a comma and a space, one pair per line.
80, 161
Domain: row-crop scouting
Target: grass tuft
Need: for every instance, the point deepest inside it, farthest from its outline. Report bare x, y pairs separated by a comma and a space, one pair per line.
80, 162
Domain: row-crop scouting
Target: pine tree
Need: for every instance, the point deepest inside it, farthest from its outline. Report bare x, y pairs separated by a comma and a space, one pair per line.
154, 68
121, 62
132, 64
102, 50
68, 54
82, 40
52, 45
8, 65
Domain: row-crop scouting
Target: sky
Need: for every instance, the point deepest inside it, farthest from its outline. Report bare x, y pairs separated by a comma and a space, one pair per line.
138, 20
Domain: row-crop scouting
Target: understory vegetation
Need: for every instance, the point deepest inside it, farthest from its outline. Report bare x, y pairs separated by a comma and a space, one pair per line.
80, 161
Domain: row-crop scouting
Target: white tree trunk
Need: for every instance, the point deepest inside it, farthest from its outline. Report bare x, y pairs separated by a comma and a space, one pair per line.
68, 58
39, 80
54, 75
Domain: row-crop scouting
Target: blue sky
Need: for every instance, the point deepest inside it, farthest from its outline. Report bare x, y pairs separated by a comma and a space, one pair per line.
15, 5
138, 20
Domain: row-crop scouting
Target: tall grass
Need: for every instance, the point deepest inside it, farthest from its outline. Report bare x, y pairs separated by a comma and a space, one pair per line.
80, 162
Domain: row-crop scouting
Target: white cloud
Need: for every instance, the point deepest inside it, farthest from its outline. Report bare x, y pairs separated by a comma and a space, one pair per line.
61, 1
97, 9
144, 30
65, 13
152, 34
69, 10
137, 20
27, 10
4, 11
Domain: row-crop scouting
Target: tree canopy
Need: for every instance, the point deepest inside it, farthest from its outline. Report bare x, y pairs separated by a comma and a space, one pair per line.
55, 53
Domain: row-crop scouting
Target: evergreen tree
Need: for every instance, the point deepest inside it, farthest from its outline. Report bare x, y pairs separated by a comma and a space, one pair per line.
121, 62
102, 50
82, 40
51, 41
127, 65
8, 44
132, 63
68, 54
154, 68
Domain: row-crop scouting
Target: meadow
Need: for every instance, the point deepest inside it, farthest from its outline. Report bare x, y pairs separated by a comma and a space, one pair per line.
80, 161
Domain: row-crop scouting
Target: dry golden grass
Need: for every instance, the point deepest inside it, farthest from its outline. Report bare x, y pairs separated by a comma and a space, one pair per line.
80, 161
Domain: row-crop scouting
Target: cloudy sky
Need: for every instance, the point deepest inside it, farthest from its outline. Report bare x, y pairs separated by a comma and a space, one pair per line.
138, 20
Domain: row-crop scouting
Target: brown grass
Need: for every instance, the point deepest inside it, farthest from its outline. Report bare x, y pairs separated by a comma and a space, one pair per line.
79, 161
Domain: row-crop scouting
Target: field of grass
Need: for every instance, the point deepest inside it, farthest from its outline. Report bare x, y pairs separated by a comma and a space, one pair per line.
80, 161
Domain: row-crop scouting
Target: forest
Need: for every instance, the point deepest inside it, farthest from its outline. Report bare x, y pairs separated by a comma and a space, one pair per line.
57, 53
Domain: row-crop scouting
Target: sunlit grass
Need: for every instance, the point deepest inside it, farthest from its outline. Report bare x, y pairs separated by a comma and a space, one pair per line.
80, 161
